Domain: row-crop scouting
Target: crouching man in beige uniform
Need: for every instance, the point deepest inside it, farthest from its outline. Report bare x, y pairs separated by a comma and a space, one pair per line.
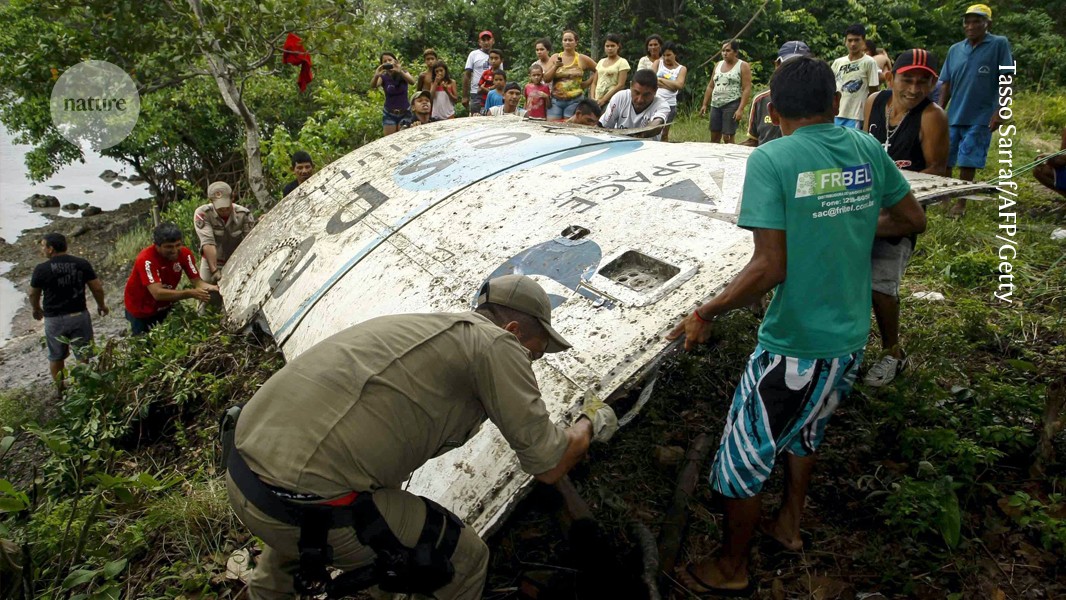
221, 226
340, 428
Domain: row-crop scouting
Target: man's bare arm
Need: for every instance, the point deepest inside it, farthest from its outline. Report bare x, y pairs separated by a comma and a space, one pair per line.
935, 140
35, 303
163, 294
210, 254
945, 95
764, 271
906, 217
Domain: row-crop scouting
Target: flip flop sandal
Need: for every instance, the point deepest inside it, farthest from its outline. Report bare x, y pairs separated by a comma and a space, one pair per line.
710, 590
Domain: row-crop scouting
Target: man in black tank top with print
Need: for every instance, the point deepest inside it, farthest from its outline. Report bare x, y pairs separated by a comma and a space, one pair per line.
914, 132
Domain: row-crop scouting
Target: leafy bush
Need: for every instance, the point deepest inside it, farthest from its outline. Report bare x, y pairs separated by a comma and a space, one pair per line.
917, 508
94, 505
1047, 520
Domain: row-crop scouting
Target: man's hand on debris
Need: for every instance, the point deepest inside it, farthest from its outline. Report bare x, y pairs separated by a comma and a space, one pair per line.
694, 327
604, 421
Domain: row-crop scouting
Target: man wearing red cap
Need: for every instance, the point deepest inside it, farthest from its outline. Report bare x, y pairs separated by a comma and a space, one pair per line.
971, 86
914, 132
477, 62
319, 455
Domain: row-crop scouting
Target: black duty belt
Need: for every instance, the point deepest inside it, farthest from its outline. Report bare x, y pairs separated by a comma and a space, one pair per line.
296, 509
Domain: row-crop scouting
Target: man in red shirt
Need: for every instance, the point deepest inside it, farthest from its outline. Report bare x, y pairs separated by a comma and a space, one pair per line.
152, 286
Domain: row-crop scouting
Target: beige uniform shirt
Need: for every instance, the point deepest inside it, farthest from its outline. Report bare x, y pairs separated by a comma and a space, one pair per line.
225, 235
364, 408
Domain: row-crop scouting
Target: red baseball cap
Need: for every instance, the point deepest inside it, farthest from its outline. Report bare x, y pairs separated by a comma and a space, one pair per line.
485, 33
915, 58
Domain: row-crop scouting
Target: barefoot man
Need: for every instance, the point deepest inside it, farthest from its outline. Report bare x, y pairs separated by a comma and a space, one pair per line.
813, 201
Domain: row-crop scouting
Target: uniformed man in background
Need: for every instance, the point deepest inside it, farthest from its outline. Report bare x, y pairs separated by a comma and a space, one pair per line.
221, 225
332, 436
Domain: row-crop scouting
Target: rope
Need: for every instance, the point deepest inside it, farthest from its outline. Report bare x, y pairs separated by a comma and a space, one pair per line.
739, 33
1026, 168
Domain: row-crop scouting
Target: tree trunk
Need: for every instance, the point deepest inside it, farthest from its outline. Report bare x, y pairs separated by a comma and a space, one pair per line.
595, 37
1053, 422
231, 94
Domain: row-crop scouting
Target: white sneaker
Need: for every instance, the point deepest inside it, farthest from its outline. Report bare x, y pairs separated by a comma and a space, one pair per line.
884, 371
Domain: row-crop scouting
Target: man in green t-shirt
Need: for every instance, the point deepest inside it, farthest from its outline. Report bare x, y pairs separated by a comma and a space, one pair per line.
812, 200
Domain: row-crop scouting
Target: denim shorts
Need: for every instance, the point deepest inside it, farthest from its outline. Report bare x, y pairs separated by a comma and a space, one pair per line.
563, 109
852, 123
76, 328
722, 120
390, 120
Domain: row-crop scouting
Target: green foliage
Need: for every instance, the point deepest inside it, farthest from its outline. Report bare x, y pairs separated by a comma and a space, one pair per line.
185, 130
95, 508
1039, 517
18, 407
346, 120
918, 508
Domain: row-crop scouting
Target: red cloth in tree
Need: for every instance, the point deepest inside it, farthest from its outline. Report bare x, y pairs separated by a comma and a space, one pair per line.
294, 53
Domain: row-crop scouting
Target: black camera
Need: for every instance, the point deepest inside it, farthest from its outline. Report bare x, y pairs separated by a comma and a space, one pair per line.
387, 66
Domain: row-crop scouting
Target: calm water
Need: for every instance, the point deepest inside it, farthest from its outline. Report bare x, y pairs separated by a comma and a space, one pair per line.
81, 183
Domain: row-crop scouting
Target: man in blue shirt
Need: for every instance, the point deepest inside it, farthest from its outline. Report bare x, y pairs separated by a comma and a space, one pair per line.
813, 201
971, 84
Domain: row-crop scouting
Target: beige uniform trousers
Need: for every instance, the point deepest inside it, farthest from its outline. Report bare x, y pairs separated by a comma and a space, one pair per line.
405, 514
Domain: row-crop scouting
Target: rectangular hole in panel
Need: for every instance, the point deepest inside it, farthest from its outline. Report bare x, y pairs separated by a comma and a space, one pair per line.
639, 272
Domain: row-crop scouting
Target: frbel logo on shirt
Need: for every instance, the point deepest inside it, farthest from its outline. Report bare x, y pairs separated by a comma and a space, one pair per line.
826, 181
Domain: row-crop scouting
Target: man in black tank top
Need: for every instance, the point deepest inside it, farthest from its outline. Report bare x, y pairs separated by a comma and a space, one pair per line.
914, 132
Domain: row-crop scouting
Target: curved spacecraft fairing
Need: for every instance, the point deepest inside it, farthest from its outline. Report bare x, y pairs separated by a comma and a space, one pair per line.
625, 235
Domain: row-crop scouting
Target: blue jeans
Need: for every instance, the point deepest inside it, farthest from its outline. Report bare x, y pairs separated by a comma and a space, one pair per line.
141, 326
563, 109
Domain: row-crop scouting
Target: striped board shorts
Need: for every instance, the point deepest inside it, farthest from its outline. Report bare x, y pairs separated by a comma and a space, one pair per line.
781, 405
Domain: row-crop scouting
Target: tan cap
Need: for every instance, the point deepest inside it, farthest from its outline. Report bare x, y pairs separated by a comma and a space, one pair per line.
218, 193
524, 295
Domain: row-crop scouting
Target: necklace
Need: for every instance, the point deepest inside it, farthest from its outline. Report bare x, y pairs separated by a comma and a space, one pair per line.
889, 129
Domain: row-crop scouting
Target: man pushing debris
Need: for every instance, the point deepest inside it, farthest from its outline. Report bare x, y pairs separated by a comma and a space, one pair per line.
323, 448
812, 200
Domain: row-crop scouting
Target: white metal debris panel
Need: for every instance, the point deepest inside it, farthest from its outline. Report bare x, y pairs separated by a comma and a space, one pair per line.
625, 235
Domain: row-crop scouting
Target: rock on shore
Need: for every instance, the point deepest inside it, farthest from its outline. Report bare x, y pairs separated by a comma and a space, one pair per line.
43, 201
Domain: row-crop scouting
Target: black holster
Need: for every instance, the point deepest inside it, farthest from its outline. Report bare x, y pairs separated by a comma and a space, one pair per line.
422, 569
